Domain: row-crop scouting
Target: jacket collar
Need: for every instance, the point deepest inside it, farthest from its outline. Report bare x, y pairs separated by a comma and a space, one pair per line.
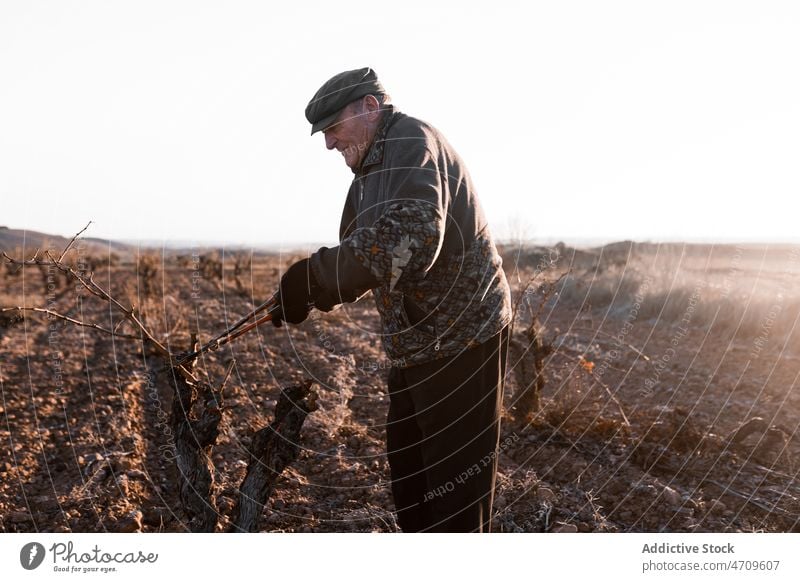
375, 152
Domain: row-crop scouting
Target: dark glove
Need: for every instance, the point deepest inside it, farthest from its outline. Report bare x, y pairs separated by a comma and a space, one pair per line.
343, 291
296, 294
326, 301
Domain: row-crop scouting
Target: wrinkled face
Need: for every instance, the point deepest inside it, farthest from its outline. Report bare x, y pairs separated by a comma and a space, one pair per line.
353, 131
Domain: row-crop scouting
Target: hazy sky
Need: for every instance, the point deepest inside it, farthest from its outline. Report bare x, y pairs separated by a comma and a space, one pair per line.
610, 120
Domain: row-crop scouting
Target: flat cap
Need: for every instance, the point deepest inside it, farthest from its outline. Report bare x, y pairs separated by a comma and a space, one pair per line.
337, 92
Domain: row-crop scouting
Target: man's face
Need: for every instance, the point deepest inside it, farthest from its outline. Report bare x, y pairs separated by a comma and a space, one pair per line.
351, 134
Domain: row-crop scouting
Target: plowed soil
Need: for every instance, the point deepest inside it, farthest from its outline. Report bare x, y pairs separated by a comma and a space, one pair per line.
627, 439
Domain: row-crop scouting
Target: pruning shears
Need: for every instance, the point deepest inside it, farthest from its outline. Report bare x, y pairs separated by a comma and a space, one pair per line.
271, 306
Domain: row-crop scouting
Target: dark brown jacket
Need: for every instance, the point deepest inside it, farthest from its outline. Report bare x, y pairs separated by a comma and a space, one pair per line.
413, 231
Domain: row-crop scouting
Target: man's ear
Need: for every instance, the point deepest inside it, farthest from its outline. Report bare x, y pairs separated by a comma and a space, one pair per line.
371, 107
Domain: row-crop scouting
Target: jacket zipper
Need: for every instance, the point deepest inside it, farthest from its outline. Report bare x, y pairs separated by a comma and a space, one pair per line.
436, 346
438, 343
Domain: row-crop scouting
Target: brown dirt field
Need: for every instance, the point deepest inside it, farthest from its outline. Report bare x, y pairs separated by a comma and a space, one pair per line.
84, 447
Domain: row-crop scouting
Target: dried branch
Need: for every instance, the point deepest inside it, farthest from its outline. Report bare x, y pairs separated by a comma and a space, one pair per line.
74, 238
601, 332
96, 290
548, 293
585, 366
196, 414
231, 366
273, 448
527, 402
57, 315
753, 500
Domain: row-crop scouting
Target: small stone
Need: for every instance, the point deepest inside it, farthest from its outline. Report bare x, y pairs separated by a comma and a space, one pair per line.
274, 517
46, 504
123, 464
545, 495
130, 523
153, 516
136, 474
564, 528
123, 484
716, 506
671, 497
18, 516
500, 502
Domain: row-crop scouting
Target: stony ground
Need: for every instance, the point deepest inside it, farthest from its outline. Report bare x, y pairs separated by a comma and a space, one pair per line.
84, 448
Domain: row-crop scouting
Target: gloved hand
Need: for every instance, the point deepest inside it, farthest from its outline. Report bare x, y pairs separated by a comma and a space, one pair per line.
296, 293
326, 301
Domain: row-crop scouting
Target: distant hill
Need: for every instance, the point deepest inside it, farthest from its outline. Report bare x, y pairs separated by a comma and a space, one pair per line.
12, 239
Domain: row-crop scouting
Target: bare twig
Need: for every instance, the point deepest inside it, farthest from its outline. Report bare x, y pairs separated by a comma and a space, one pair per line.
627, 345
524, 292
231, 366
69, 319
551, 287
608, 391
751, 499
528, 400
74, 238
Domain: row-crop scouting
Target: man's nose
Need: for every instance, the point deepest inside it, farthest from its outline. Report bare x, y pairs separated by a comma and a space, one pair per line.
330, 141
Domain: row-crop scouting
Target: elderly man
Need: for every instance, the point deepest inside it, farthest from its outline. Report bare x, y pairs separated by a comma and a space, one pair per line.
414, 233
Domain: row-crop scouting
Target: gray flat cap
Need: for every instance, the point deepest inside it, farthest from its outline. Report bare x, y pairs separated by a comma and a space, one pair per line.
337, 92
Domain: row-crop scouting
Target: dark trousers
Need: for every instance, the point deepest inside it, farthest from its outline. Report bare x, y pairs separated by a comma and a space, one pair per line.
442, 435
